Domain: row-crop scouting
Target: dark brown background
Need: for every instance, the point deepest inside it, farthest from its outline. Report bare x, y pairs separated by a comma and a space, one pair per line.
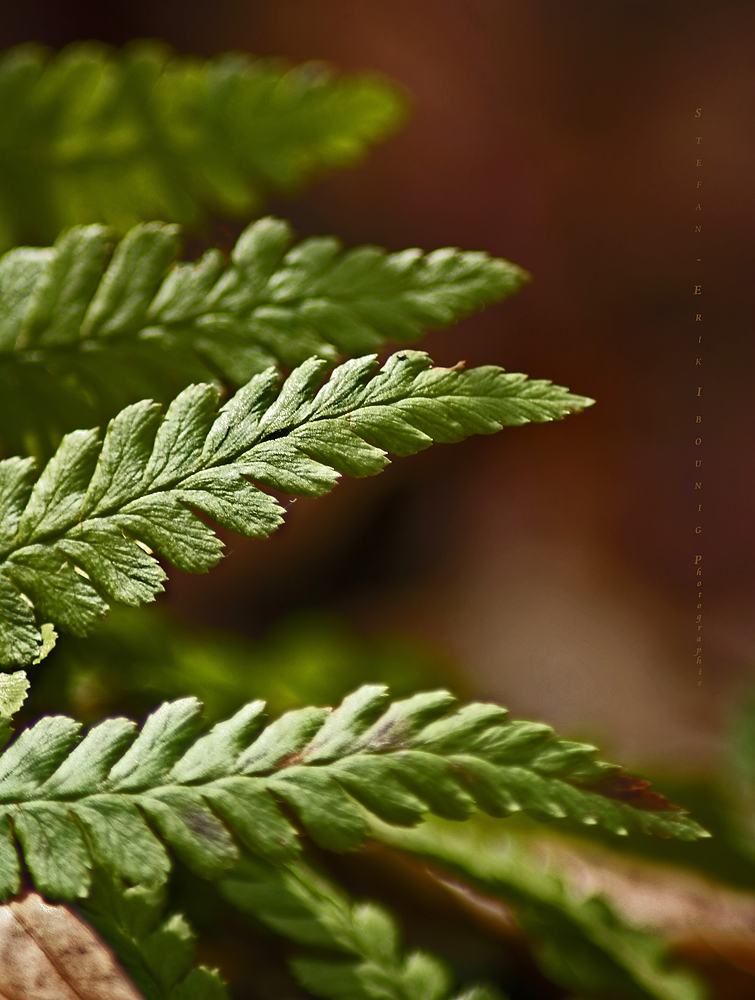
555, 563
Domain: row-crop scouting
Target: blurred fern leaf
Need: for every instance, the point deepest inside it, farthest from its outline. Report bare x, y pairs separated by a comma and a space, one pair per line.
83, 333
303, 906
97, 135
580, 942
157, 952
137, 657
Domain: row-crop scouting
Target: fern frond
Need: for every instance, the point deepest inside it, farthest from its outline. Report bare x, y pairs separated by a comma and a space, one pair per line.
73, 807
157, 952
303, 906
78, 344
581, 943
87, 527
98, 135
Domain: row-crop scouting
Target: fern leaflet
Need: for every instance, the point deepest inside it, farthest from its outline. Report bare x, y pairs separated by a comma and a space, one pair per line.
78, 344
74, 807
299, 904
157, 952
581, 943
94, 135
13, 691
89, 524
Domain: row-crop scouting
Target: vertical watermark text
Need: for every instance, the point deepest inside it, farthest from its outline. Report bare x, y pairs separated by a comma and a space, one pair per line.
698, 385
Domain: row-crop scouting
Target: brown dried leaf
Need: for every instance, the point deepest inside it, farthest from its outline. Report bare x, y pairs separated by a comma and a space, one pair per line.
49, 953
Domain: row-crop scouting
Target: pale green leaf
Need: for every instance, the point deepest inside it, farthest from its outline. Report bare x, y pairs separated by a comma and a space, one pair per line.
49, 641
13, 691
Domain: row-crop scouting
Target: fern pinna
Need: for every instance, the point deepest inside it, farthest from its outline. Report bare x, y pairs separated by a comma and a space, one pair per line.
92, 818
87, 528
72, 806
93, 134
86, 329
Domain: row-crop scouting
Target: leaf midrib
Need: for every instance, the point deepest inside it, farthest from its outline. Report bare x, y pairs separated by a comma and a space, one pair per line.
41, 352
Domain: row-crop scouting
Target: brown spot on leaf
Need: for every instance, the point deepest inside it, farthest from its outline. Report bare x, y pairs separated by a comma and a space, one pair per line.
291, 761
634, 791
204, 824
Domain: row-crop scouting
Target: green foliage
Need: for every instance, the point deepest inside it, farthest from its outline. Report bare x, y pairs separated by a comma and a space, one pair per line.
741, 747
105, 141
89, 524
723, 801
80, 338
49, 639
158, 953
301, 905
13, 692
95, 135
138, 657
73, 807
581, 943
739, 780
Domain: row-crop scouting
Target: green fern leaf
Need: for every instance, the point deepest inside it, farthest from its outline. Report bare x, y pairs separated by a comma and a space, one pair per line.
581, 943
78, 344
299, 904
87, 529
97, 135
13, 691
116, 797
157, 952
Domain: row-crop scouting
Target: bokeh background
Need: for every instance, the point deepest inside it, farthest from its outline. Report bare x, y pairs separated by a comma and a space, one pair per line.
551, 564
